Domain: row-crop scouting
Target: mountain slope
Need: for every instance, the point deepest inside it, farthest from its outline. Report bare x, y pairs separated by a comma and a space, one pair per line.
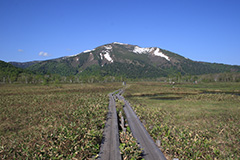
118, 59
9, 69
10, 73
24, 64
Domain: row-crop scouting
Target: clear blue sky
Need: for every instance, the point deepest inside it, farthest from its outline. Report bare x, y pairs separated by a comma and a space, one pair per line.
202, 30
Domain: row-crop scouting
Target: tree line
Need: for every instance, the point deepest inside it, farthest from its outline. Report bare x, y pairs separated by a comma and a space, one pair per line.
11, 74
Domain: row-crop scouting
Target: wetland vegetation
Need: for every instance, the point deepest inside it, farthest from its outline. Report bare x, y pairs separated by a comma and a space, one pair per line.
48, 122
192, 121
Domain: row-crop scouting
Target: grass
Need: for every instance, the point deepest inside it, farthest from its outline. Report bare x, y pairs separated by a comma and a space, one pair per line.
192, 121
49, 122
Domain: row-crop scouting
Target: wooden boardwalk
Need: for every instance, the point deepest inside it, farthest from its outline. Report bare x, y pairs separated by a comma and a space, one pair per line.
150, 149
110, 144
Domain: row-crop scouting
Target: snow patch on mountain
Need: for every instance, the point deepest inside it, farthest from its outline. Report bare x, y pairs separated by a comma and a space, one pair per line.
88, 51
70, 56
101, 56
119, 43
108, 57
157, 52
140, 50
106, 53
108, 47
78, 54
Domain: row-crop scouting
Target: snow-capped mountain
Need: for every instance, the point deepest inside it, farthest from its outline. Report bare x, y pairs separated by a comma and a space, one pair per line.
119, 59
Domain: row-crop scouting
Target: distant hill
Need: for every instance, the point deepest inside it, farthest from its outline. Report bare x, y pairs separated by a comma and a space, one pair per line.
24, 64
7, 68
9, 72
131, 61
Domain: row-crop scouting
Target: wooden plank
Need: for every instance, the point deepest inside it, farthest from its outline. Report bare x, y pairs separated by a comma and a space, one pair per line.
110, 143
150, 149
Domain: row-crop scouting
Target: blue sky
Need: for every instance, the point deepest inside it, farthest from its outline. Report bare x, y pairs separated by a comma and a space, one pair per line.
202, 30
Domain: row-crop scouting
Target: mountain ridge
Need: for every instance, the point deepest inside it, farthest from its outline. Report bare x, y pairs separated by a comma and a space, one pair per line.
132, 61
24, 65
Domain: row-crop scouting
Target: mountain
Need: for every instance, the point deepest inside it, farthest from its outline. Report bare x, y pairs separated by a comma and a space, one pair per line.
131, 61
24, 64
7, 68
10, 73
